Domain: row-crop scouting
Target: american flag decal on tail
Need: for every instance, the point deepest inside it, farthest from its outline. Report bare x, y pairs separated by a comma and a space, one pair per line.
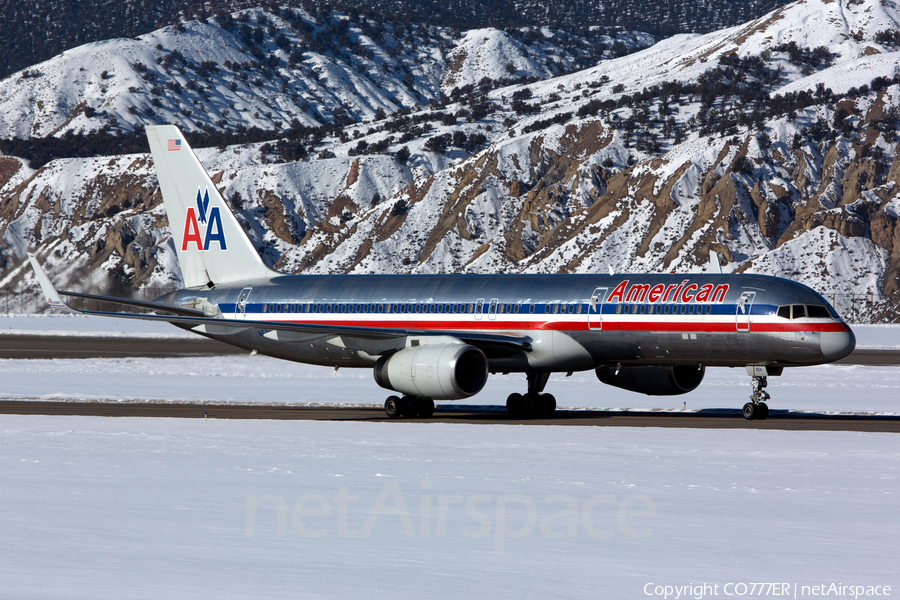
174, 145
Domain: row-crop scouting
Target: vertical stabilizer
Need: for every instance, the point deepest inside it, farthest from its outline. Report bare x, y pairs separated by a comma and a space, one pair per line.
212, 248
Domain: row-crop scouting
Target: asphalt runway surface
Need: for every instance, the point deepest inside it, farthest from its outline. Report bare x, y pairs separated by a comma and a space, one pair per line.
49, 347
86, 346
718, 419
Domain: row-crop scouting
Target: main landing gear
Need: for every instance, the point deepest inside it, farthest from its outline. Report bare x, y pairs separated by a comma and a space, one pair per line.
757, 407
408, 407
533, 403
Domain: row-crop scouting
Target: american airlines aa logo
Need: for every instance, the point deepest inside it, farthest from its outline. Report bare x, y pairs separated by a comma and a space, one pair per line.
198, 216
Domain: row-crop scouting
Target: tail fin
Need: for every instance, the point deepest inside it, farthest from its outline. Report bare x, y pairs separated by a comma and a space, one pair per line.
212, 248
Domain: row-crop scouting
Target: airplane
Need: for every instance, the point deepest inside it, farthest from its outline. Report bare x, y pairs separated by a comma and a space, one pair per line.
438, 337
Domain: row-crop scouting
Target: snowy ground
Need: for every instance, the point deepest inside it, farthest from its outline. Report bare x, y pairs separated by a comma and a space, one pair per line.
176, 508
173, 508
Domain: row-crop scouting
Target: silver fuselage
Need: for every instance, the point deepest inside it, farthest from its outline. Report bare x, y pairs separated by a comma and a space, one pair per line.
574, 322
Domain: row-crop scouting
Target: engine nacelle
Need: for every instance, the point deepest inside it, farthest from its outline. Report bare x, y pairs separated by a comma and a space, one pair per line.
446, 372
653, 380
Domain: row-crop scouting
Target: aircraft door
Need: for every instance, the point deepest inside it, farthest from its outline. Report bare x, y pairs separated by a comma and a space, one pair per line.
492, 311
479, 308
241, 306
595, 309
742, 314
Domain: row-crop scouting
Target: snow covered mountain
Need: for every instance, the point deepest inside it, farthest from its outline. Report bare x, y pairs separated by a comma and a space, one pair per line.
273, 69
773, 144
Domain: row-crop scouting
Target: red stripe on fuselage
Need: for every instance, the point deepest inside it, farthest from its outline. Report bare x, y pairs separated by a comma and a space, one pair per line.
658, 326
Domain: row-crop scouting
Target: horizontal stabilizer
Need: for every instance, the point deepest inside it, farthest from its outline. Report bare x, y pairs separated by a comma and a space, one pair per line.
47, 288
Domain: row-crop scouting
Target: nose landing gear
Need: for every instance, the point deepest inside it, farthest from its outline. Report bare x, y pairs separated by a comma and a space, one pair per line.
757, 407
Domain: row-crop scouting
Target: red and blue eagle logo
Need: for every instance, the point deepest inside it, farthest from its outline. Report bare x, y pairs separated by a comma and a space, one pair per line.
211, 218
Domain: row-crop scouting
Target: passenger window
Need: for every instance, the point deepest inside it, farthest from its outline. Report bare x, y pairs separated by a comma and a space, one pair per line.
784, 312
798, 311
471, 308
709, 310
501, 309
531, 309
578, 309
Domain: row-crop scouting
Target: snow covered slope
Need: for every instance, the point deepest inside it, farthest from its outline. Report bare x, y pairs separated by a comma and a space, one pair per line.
267, 69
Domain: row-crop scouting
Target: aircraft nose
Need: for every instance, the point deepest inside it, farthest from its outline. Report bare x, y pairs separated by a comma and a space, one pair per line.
837, 344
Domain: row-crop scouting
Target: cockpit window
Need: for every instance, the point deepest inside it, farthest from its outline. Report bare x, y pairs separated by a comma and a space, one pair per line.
800, 311
817, 312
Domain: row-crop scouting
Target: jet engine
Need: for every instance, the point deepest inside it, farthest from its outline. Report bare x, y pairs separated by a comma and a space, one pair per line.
444, 372
653, 380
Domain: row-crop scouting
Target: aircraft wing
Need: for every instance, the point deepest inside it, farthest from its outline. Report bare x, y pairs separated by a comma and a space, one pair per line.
203, 323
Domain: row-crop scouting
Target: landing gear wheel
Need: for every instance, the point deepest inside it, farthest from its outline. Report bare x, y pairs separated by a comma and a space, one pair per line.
409, 407
546, 405
392, 407
529, 405
750, 411
425, 407
762, 411
515, 404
